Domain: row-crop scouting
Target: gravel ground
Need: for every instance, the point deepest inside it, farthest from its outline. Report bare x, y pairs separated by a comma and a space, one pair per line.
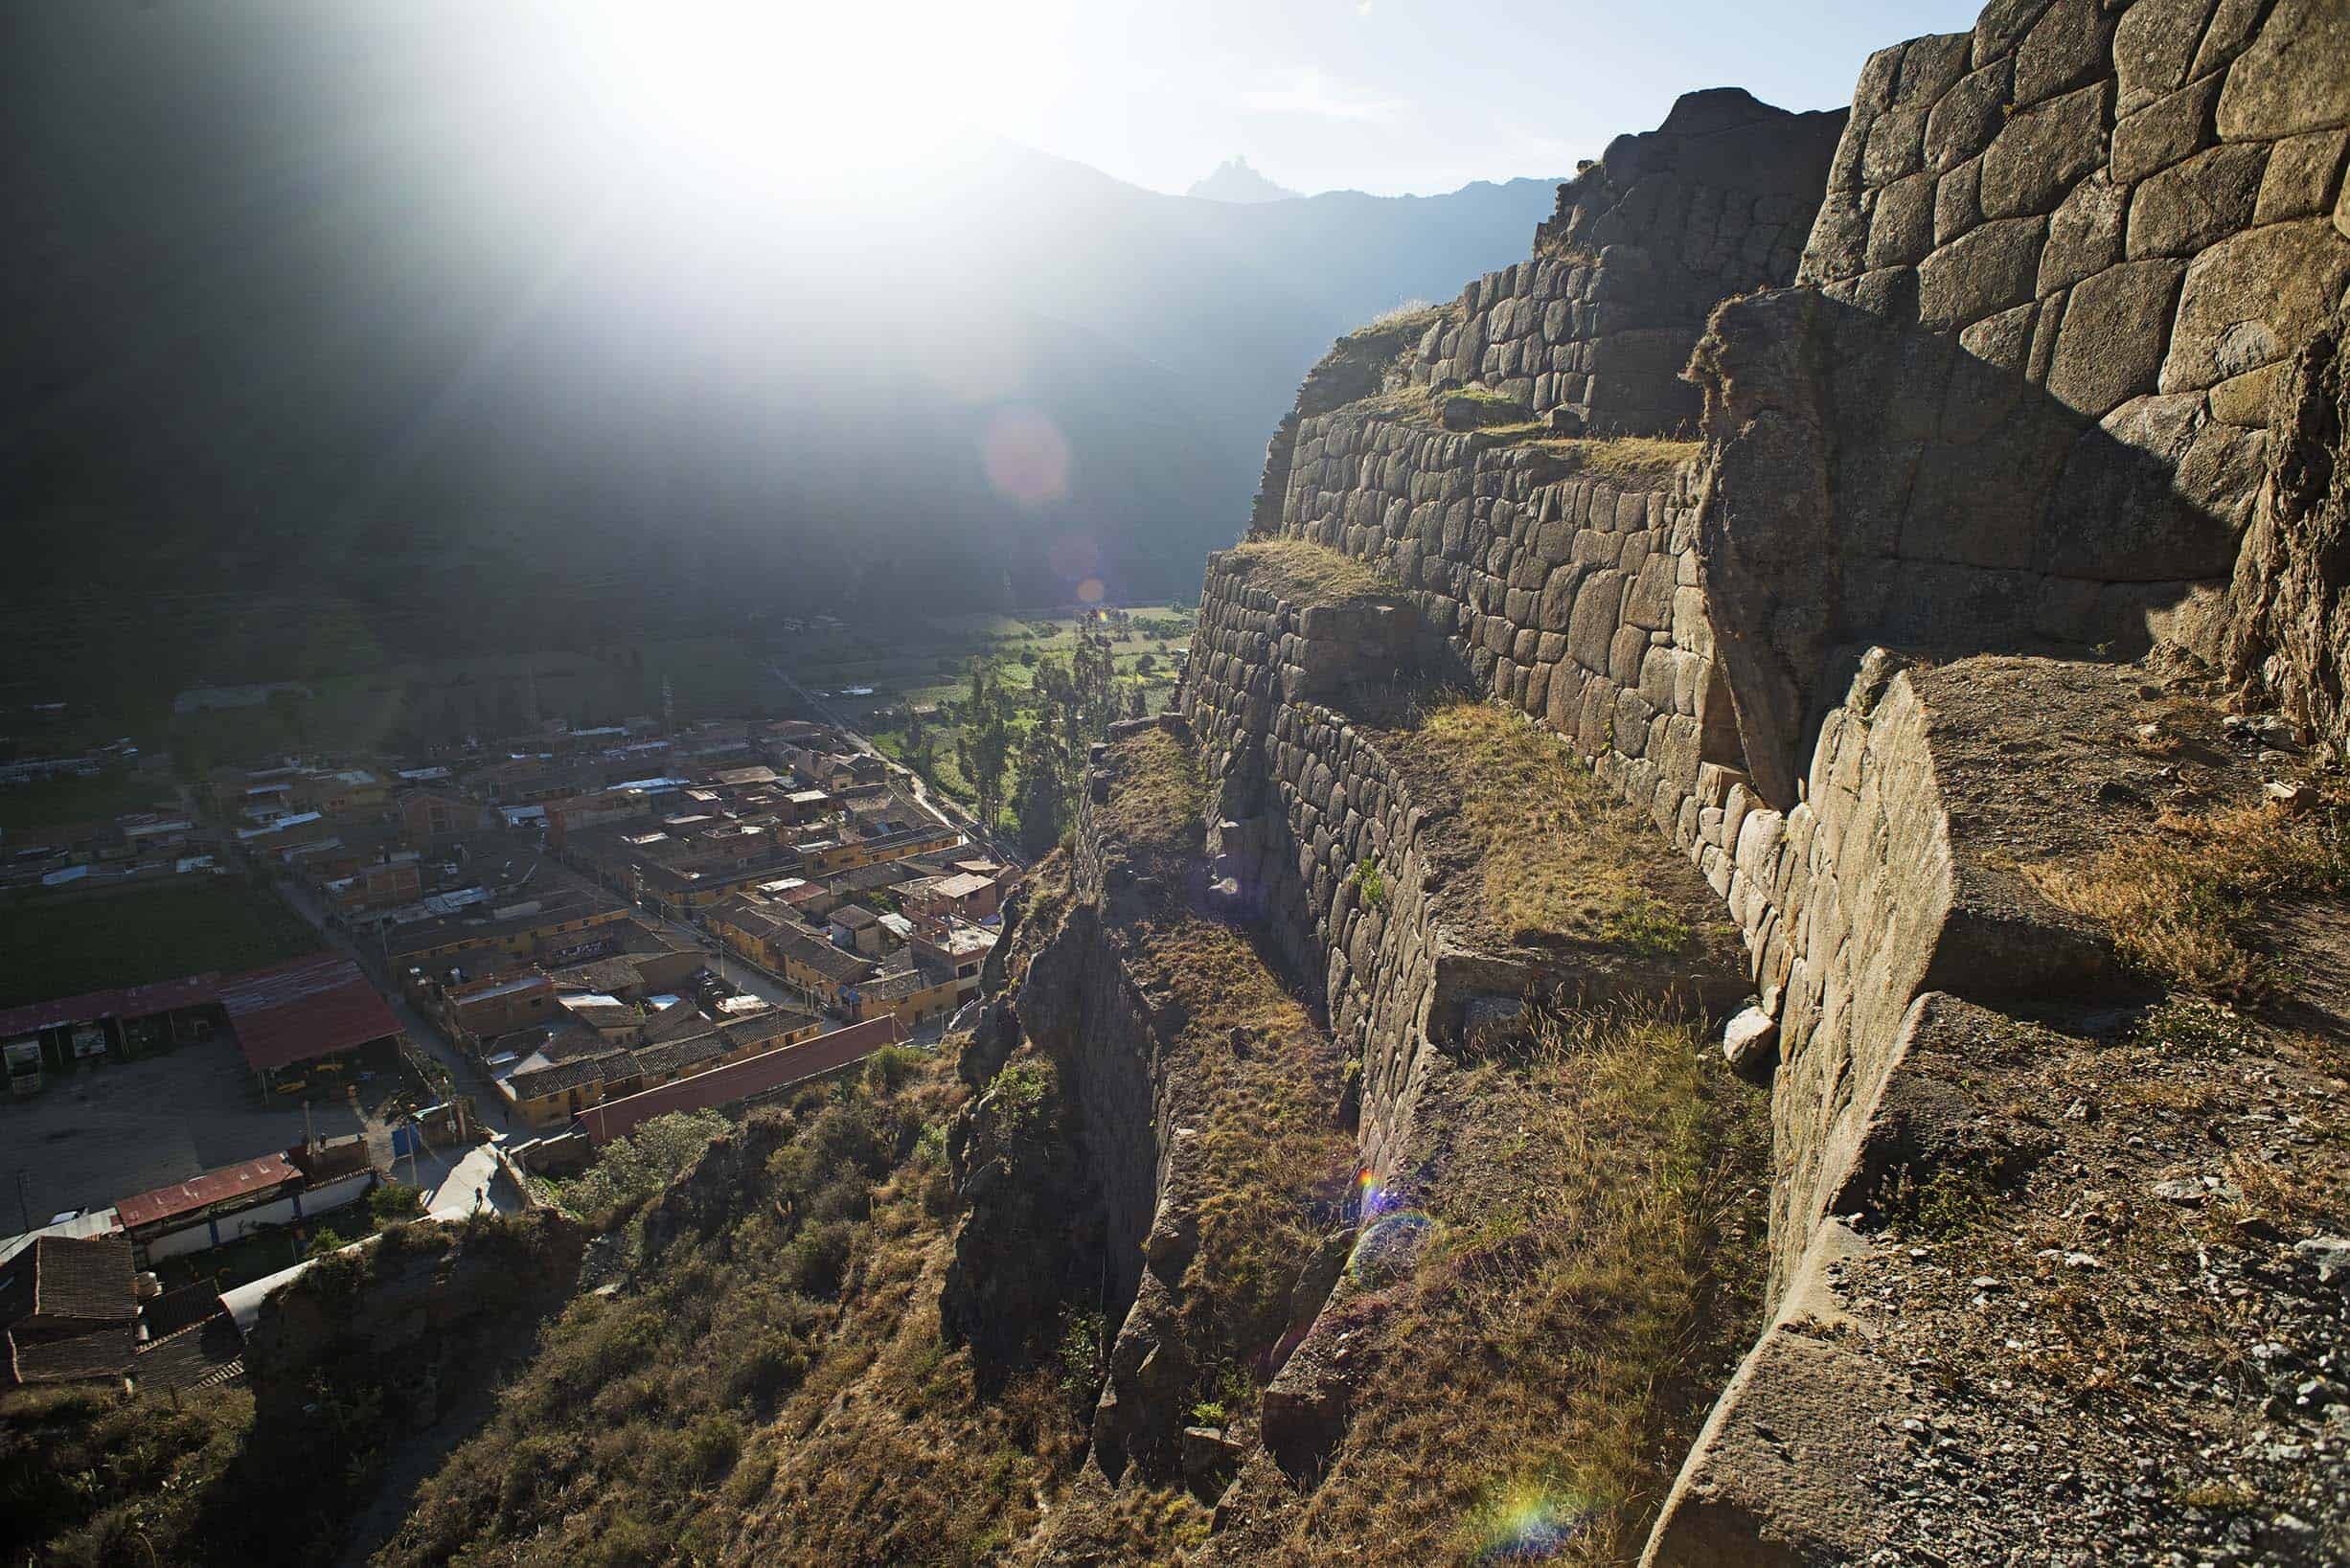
2143, 1354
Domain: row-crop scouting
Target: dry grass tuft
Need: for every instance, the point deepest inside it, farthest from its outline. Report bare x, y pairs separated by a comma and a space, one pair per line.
2183, 898
1559, 856
1626, 456
1305, 573
1594, 1271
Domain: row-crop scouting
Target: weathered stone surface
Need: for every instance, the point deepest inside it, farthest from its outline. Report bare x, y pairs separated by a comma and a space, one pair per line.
2115, 516
2283, 84
2288, 636
1989, 270
2001, 25
2109, 347
2153, 43
2063, 49
2165, 131
1958, 201
2245, 296
2300, 179
2191, 205
2244, 399
2226, 34
2085, 234
1903, 230
1750, 1044
1967, 117
2043, 149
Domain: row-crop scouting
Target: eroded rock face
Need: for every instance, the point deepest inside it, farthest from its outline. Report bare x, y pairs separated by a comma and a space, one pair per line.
2288, 636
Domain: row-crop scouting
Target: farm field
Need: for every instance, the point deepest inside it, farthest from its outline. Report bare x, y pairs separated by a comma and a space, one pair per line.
406, 707
51, 803
876, 678
62, 948
919, 662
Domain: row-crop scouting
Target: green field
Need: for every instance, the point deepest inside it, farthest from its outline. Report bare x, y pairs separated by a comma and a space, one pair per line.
61, 947
407, 707
925, 660
48, 802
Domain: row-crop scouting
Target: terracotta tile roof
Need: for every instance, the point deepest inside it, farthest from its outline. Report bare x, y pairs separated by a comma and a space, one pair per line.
86, 1279
72, 1358
558, 1077
771, 1025
254, 1176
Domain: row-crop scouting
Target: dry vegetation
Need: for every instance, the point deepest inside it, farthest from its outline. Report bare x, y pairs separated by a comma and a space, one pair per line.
1557, 856
1305, 573
2183, 898
770, 1382
1249, 1069
1592, 1269
1645, 458
88, 1475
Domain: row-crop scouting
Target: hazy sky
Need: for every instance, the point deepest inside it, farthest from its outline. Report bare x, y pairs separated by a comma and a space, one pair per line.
1394, 95
1386, 95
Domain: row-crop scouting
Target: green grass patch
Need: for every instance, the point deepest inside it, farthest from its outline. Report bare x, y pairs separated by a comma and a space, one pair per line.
1588, 1269
65, 946
50, 803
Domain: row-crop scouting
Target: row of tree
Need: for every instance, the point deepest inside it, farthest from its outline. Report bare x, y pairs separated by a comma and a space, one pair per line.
1034, 769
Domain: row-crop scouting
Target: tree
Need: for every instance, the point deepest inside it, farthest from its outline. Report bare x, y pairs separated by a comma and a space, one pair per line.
985, 746
1043, 808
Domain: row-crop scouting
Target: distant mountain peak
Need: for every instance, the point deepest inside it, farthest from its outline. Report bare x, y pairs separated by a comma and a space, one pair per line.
1235, 181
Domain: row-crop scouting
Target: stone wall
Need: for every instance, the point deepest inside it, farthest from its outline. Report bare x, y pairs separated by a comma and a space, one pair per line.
2021, 394
1566, 594
1715, 202
2288, 619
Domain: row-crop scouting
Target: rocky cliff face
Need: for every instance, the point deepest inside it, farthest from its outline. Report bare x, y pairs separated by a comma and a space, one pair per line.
2031, 459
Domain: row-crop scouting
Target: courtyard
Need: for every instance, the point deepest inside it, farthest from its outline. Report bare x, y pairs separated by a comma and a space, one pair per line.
117, 1129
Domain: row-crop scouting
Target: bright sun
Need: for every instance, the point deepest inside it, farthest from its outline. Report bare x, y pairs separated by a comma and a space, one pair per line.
805, 97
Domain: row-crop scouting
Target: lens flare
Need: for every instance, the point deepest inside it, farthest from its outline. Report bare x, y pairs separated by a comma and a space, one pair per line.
1374, 1198
1090, 591
1027, 459
1528, 1524
1387, 1247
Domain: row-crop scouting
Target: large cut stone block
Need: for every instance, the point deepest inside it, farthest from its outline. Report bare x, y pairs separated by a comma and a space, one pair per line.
2251, 298
2109, 347
2295, 77
1978, 274
2189, 206
2045, 148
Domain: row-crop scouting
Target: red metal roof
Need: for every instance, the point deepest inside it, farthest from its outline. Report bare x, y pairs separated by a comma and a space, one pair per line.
262, 1175
299, 1012
741, 1079
122, 1002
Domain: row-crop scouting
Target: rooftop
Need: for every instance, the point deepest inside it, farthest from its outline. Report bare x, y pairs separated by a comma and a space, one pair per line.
254, 1176
303, 1010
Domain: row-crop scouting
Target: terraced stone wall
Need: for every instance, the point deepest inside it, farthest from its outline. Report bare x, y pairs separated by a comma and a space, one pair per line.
2023, 392
1716, 200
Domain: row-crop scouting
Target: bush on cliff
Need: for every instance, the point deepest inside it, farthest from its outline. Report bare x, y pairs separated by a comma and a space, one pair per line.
770, 1383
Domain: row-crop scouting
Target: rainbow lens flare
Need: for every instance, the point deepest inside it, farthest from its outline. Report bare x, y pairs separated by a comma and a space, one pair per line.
1386, 1246
1527, 1525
